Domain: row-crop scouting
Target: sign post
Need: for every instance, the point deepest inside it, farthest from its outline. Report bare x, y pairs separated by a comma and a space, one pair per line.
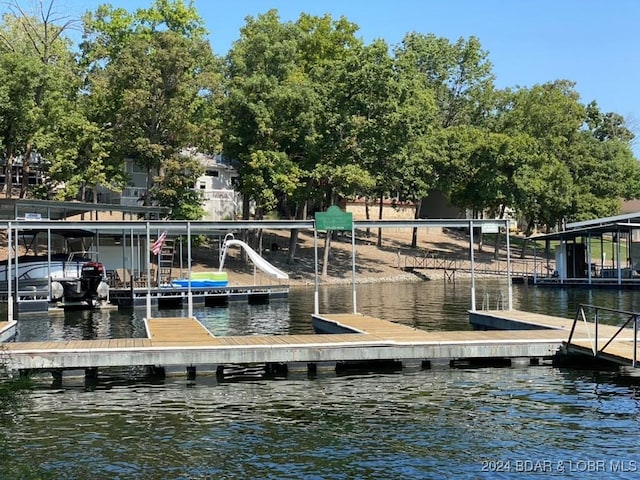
335, 219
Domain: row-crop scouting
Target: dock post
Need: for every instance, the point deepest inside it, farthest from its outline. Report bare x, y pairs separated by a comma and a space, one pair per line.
9, 286
635, 341
473, 275
353, 268
57, 375
316, 296
509, 283
91, 374
191, 372
156, 371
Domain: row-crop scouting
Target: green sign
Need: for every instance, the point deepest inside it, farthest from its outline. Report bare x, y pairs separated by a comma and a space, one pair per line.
334, 219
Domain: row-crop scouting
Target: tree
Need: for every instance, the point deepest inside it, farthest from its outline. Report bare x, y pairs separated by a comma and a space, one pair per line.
269, 110
175, 189
589, 152
39, 90
277, 110
154, 85
459, 74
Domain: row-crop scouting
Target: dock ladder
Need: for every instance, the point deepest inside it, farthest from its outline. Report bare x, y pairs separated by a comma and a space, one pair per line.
165, 262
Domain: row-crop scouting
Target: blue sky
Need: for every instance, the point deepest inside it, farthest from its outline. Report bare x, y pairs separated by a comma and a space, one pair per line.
591, 42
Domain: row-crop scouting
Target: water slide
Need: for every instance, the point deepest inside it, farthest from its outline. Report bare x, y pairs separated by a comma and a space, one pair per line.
255, 257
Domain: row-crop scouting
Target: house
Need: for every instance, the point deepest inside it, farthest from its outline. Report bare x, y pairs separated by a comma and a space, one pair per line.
216, 187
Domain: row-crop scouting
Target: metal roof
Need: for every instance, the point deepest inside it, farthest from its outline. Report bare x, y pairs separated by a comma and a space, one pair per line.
593, 231
177, 227
605, 221
17, 208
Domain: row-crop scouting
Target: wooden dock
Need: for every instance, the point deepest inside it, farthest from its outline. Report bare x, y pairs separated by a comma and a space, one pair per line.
185, 343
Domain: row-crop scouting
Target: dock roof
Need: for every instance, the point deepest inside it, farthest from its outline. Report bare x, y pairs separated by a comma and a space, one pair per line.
20, 208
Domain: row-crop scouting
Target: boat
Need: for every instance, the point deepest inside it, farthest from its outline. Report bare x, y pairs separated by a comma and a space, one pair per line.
70, 277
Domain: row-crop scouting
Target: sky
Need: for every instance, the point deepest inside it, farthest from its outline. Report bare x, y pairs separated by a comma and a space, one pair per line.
593, 43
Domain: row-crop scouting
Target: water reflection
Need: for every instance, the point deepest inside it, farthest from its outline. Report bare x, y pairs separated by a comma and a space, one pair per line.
441, 423
432, 305
430, 424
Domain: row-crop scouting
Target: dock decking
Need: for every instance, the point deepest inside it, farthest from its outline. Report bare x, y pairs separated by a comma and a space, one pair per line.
184, 342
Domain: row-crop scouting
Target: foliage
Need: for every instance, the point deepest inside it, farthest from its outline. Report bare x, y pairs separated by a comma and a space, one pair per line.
39, 91
271, 108
176, 188
310, 112
153, 82
582, 163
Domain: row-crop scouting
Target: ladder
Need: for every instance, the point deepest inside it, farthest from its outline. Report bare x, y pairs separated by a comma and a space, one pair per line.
165, 262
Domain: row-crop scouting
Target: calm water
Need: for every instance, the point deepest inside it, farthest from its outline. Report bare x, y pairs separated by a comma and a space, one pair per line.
441, 423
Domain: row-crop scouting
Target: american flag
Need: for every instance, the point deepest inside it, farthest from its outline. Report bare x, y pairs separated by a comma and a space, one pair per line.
157, 245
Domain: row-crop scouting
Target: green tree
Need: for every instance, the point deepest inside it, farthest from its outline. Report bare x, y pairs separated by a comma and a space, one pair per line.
459, 75
154, 84
277, 110
269, 110
589, 151
175, 189
39, 93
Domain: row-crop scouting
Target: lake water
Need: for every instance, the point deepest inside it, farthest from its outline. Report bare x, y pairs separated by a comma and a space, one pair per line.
442, 423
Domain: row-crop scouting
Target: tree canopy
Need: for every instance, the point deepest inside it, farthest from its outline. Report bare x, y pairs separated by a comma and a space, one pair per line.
308, 110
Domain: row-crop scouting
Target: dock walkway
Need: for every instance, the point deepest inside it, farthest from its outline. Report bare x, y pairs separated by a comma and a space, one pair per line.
184, 342
619, 351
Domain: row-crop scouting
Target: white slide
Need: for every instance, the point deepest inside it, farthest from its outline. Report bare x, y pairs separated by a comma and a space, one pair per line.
255, 257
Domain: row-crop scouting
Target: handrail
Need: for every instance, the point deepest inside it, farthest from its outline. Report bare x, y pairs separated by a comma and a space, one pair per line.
435, 261
580, 314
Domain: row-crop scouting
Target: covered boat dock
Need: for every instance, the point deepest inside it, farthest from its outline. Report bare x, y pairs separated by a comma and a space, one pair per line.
596, 253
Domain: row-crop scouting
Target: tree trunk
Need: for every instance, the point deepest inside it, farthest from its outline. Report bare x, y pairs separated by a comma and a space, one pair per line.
480, 239
83, 192
246, 207
9, 175
293, 239
496, 250
24, 185
414, 234
527, 233
325, 254
381, 205
367, 215
259, 240
293, 244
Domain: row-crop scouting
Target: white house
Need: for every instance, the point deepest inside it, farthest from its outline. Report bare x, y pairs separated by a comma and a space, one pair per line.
220, 200
216, 186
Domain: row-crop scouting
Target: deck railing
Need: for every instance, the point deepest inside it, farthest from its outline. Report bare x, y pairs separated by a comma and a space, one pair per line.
597, 313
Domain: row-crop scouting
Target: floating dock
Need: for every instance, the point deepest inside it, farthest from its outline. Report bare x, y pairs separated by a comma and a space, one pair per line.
172, 297
180, 342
